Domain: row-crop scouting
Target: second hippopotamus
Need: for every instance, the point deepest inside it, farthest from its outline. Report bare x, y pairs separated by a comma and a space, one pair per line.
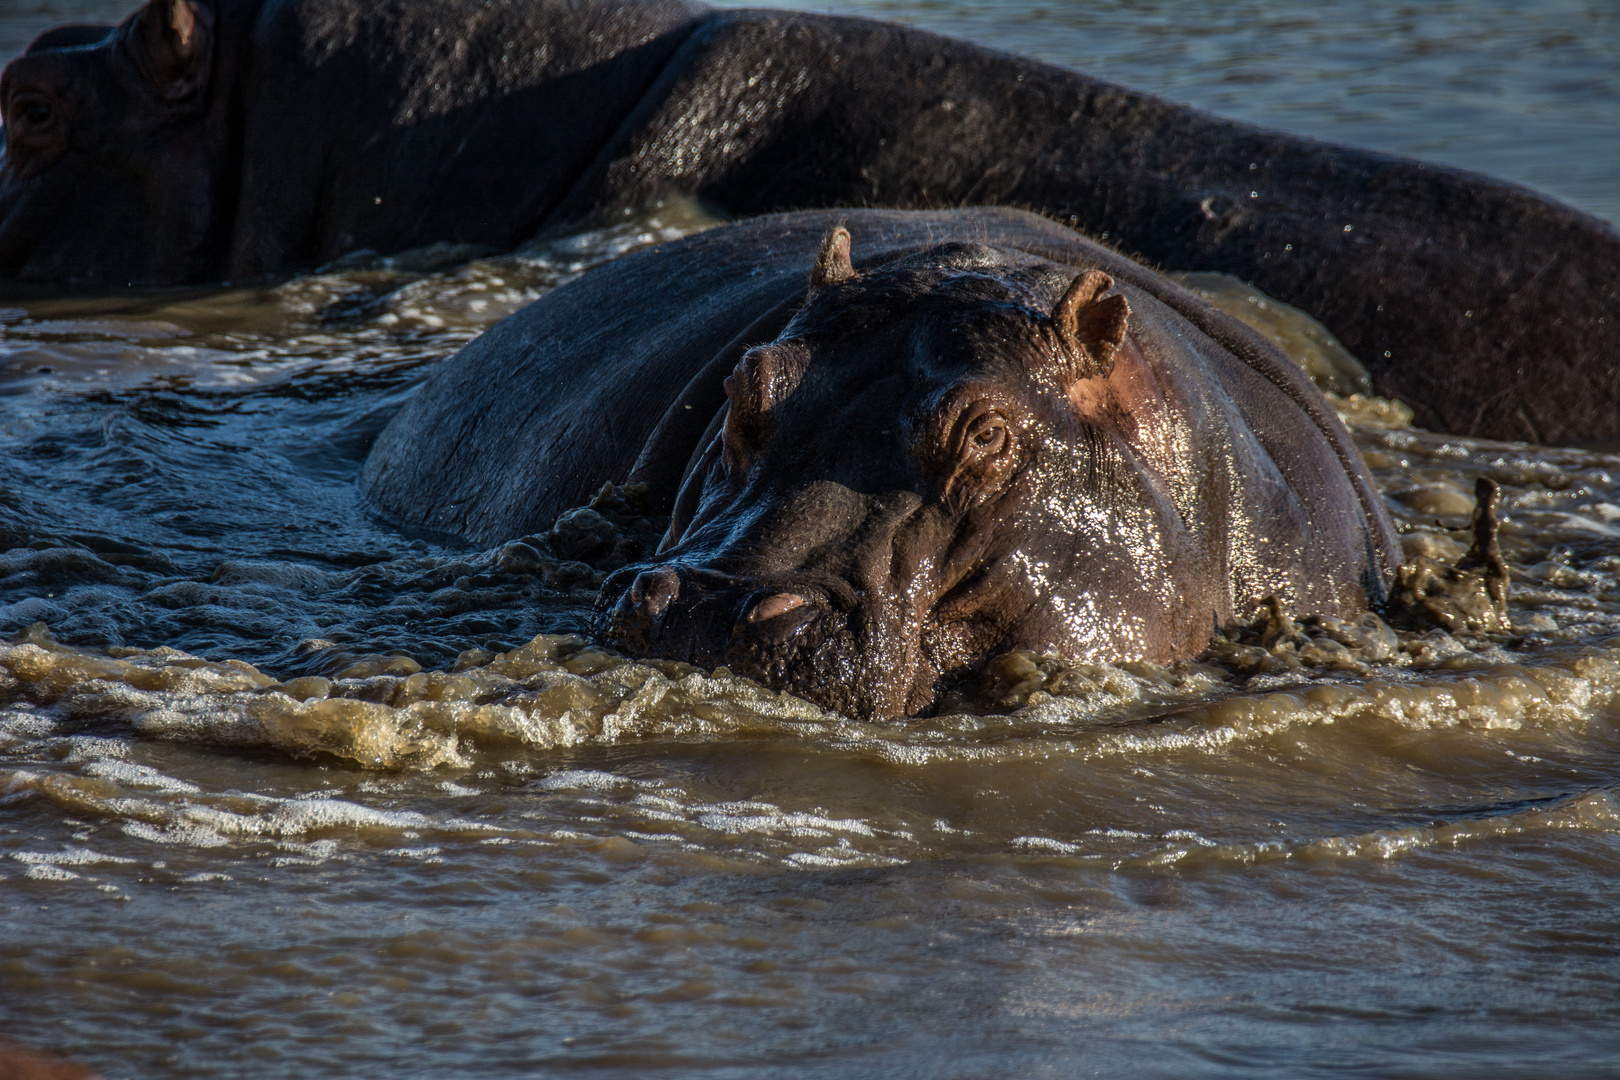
896, 444
210, 139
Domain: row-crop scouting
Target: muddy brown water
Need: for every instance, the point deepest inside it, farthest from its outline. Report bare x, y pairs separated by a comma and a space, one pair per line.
284, 791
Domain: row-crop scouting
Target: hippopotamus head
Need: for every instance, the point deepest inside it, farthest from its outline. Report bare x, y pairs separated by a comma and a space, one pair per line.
113, 144
900, 486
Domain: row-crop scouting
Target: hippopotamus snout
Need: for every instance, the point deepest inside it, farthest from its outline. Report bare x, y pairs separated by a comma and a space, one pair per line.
710, 617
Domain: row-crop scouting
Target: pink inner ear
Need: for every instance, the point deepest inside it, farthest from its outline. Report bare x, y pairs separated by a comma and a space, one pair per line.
1127, 400
184, 22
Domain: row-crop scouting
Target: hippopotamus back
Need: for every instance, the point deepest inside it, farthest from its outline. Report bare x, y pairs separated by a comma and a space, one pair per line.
1162, 468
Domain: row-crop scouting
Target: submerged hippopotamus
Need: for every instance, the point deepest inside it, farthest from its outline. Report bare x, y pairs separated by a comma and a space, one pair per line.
983, 433
210, 139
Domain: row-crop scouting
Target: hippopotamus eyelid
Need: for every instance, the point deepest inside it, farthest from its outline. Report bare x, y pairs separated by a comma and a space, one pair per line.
981, 431
987, 431
37, 112
30, 108
35, 134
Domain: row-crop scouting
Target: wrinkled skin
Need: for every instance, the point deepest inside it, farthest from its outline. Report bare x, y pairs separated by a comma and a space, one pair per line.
984, 434
210, 139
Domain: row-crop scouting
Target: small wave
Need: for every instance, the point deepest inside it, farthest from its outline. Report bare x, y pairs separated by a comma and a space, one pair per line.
1591, 812
211, 820
559, 692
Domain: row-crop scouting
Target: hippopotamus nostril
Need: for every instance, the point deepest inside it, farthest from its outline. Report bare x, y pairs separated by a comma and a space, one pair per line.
772, 606
776, 617
653, 590
638, 617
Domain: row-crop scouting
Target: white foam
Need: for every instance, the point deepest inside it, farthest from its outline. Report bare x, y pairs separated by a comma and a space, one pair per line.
70, 857
92, 748
746, 817
825, 858
133, 775
25, 725
1044, 843
425, 854
581, 779
186, 835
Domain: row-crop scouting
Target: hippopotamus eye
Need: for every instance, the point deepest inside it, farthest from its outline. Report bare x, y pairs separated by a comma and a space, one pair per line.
979, 451
988, 436
31, 115
985, 434
36, 132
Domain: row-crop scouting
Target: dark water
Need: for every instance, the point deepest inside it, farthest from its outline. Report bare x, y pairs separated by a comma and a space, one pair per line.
291, 793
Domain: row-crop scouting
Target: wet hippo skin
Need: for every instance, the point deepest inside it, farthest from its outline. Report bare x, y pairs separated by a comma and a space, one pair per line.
983, 432
209, 140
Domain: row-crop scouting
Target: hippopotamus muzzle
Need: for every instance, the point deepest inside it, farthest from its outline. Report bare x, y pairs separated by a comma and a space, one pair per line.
669, 602
778, 631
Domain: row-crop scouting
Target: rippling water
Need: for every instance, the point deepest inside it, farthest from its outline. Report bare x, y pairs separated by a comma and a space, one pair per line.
285, 792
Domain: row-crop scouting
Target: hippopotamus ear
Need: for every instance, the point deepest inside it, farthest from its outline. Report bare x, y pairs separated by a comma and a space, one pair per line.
833, 265
173, 42
764, 376
1092, 328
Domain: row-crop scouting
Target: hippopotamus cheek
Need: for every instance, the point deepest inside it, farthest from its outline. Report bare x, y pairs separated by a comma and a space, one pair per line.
868, 669
21, 210
13, 246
